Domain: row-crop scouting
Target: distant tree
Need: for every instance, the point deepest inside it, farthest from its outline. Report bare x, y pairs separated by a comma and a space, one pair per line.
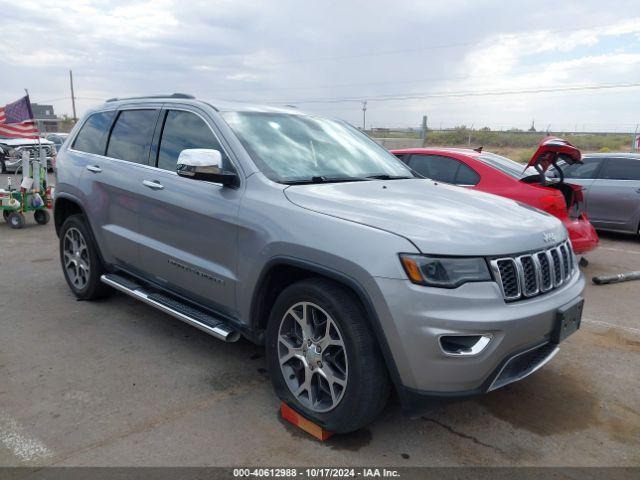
485, 129
66, 123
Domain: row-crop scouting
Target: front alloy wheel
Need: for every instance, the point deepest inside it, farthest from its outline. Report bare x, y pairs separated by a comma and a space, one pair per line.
312, 357
322, 356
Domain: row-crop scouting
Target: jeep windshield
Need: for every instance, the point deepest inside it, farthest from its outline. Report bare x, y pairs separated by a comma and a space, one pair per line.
292, 149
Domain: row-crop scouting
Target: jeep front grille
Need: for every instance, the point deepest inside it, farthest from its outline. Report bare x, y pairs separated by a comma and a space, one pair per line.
529, 275
33, 151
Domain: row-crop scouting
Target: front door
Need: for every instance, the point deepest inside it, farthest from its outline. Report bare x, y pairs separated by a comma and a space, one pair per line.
190, 226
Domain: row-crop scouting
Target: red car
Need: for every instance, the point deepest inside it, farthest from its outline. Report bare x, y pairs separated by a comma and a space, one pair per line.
501, 176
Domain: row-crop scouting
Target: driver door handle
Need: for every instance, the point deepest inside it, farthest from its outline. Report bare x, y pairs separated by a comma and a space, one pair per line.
94, 168
153, 184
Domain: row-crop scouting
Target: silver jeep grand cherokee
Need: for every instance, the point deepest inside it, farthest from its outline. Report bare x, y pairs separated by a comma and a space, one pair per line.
301, 233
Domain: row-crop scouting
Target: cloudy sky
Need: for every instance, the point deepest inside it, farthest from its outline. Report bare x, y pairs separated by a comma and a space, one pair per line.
460, 62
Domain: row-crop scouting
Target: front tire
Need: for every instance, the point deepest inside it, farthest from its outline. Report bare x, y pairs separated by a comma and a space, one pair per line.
81, 264
16, 220
323, 358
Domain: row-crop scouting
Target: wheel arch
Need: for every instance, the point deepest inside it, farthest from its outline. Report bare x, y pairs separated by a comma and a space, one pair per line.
281, 272
64, 206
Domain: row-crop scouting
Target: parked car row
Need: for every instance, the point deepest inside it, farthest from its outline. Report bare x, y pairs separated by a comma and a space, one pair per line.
12, 149
300, 233
611, 187
488, 172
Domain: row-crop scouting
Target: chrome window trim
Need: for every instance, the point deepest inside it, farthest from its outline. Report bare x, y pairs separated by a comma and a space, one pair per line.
154, 168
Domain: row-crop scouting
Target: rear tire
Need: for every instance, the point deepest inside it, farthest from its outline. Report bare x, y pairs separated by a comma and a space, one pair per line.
3, 167
348, 356
41, 217
80, 261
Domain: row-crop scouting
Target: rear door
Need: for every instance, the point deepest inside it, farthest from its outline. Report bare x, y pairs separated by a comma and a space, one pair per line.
115, 148
190, 226
615, 195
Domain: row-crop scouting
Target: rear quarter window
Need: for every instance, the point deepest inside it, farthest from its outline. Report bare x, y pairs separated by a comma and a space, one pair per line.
466, 176
92, 137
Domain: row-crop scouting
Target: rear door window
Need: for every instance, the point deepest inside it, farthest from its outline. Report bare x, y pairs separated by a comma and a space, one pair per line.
587, 170
92, 137
131, 135
183, 130
435, 167
443, 169
621, 169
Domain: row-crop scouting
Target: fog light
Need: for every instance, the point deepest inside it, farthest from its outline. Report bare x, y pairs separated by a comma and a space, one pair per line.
464, 345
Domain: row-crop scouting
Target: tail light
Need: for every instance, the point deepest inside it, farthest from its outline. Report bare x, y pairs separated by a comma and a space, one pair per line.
555, 205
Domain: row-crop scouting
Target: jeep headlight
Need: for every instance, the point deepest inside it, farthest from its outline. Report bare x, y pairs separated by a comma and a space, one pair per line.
444, 272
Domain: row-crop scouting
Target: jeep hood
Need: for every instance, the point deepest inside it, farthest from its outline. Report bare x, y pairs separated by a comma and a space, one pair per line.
437, 218
21, 142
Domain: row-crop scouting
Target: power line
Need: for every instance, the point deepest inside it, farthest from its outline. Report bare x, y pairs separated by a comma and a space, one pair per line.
424, 95
511, 74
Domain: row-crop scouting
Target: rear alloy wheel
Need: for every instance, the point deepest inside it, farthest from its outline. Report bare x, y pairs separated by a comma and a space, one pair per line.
323, 358
81, 264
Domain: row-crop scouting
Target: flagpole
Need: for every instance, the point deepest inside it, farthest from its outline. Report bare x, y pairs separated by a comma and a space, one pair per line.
46, 169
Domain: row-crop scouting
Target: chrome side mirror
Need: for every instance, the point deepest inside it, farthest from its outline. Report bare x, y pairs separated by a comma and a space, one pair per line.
204, 164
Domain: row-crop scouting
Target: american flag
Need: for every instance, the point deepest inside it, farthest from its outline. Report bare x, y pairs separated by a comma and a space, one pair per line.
16, 120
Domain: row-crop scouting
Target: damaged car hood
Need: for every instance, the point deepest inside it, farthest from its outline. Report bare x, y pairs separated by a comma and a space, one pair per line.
437, 218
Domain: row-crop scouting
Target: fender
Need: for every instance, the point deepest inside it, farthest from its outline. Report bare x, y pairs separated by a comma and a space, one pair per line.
340, 277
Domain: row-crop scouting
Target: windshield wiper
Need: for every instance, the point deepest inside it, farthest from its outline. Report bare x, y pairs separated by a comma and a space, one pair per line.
385, 176
323, 179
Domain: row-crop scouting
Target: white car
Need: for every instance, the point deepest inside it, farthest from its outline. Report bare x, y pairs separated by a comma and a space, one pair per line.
11, 152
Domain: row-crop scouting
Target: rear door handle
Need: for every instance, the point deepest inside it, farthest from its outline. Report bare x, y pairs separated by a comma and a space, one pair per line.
153, 184
94, 168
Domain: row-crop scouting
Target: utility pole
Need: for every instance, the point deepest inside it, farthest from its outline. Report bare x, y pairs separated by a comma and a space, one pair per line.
423, 134
364, 115
73, 97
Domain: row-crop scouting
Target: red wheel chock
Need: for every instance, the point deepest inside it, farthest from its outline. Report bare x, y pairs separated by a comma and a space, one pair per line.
293, 417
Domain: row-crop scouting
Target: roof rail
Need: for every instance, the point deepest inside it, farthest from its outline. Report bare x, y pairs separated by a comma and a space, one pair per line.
170, 95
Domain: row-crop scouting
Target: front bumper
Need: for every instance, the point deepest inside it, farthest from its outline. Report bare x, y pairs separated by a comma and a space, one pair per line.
582, 234
420, 315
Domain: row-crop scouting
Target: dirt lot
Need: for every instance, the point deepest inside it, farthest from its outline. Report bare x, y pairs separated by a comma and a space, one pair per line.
117, 383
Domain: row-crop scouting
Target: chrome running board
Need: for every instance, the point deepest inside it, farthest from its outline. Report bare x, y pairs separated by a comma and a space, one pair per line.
194, 317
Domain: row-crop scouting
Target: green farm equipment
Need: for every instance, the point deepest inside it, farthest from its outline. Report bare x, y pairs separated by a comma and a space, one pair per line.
34, 195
